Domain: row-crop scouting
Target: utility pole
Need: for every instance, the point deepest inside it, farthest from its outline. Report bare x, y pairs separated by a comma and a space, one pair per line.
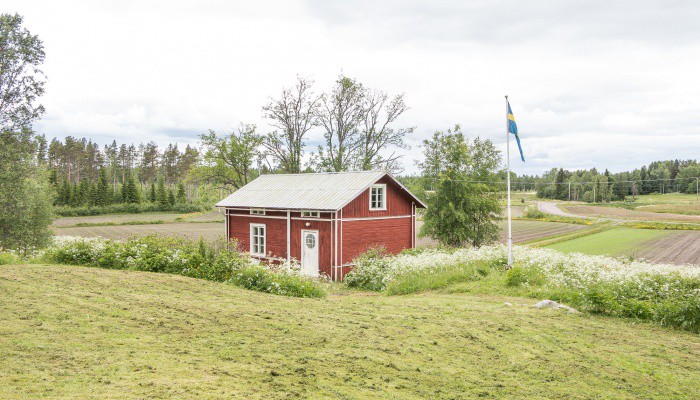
697, 188
569, 190
594, 192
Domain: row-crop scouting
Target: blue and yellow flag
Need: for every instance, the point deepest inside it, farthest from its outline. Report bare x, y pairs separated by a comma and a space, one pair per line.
513, 128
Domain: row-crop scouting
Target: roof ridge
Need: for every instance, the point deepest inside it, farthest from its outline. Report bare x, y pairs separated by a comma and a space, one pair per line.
328, 173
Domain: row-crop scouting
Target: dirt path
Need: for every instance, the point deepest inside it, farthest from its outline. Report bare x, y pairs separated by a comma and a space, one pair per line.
552, 208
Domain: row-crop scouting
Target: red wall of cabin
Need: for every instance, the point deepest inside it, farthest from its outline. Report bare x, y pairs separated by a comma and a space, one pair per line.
276, 232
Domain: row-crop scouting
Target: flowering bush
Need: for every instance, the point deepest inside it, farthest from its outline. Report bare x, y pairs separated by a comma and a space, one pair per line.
283, 282
667, 294
217, 262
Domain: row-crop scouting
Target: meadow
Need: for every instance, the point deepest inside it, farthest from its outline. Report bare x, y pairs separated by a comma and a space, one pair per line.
76, 332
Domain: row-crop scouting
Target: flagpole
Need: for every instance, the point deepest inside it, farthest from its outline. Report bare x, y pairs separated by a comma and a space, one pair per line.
510, 229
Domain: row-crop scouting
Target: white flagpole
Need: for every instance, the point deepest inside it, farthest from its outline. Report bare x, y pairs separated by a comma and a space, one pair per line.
510, 229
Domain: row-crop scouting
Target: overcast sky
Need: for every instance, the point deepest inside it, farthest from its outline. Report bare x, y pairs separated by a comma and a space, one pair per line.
606, 84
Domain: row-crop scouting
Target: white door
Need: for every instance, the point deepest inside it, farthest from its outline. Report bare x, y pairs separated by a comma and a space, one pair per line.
309, 253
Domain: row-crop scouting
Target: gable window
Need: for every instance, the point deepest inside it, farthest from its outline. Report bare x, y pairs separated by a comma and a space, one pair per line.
377, 197
257, 211
309, 214
257, 239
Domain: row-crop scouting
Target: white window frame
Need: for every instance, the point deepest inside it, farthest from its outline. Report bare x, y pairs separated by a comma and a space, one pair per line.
252, 242
257, 211
381, 186
310, 214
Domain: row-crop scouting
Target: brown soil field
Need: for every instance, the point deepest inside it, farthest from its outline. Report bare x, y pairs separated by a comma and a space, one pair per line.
622, 213
208, 231
116, 218
523, 231
680, 247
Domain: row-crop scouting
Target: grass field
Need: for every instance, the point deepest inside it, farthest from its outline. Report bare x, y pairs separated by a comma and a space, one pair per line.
687, 209
614, 242
73, 332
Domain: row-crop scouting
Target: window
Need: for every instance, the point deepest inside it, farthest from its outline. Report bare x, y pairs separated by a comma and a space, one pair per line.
254, 211
257, 239
310, 214
377, 197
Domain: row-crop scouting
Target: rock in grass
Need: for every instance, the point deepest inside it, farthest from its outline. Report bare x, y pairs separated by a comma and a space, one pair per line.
508, 304
553, 304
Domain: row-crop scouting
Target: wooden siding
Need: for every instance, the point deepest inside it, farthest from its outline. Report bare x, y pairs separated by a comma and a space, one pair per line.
394, 234
398, 202
276, 234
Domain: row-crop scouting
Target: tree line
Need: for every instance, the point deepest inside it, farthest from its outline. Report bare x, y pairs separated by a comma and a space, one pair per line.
592, 186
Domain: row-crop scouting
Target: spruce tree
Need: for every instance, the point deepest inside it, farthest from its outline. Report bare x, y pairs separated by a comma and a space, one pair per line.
181, 196
152, 196
103, 195
171, 197
162, 195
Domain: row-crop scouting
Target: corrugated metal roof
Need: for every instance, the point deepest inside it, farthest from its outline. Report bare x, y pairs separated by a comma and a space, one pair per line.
318, 191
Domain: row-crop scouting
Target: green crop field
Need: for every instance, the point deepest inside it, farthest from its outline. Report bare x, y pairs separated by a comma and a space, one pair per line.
74, 332
614, 242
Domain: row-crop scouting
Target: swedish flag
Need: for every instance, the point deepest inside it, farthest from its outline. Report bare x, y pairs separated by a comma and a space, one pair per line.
513, 128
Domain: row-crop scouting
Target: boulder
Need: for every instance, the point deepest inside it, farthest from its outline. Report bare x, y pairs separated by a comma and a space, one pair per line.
553, 304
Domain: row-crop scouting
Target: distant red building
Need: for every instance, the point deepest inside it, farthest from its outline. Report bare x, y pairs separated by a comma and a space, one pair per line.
323, 220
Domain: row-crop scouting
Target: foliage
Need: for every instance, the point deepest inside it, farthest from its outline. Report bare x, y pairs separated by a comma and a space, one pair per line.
126, 208
21, 54
465, 206
369, 271
666, 294
533, 213
663, 225
229, 159
174, 255
9, 257
282, 283
25, 205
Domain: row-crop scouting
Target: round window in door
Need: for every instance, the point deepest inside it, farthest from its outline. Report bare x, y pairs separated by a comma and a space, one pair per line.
310, 240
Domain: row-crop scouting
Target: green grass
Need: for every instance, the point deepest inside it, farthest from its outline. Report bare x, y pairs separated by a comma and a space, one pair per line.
614, 242
663, 226
73, 332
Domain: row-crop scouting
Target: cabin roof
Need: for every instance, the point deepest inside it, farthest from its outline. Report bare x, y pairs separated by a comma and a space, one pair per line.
329, 191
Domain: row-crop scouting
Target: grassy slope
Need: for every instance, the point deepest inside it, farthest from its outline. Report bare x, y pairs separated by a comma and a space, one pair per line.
78, 332
614, 242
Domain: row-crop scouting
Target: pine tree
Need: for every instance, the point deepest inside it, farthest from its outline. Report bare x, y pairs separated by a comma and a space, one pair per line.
152, 196
171, 197
130, 193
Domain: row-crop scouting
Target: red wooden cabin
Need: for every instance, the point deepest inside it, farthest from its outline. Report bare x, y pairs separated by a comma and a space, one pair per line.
323, 220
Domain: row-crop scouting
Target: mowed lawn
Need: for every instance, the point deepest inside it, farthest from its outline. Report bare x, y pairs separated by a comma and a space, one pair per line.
74, 332
614, 242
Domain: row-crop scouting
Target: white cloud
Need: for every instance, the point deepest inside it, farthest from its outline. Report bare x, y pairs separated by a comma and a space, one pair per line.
599, 83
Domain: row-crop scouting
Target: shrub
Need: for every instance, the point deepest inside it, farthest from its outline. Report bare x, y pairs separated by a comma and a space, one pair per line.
173, 255
533, 213
282, 283
7, 257
519, 276
417, 281
370, 270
